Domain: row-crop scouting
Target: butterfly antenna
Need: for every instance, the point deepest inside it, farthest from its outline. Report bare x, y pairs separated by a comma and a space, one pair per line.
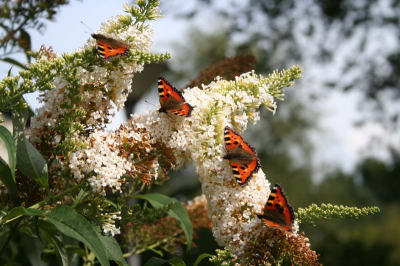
150, 103
87, 26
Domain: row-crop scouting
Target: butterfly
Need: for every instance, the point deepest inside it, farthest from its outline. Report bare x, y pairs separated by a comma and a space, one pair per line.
278, 213
242, 157
109, 48
172, 100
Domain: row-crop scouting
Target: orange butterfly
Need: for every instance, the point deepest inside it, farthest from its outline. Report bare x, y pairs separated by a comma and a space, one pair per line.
278, 213
242, 157
172, 100
108, 48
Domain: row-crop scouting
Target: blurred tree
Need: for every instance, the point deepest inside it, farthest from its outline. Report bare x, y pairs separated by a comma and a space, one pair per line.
382, 179
373, 240
16, 18
347, 45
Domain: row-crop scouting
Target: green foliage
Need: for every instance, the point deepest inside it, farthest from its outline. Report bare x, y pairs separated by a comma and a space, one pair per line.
177, 211
7, 170
111, 246
55, 238
138, 216
6, 136
148, 58
201, 257
6, 176
145, 10
20, 211
29, 160
74, 225
17, 18
328, 211
280, 80
223, 257
382, 178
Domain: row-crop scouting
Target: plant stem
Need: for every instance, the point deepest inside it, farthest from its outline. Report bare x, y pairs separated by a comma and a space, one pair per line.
138, 251
56, 197
49, 200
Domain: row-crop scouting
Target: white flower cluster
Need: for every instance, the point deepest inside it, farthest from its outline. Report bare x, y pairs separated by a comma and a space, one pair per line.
106, 158
108, 223
118, 80
100, 161
98, 86
199, 139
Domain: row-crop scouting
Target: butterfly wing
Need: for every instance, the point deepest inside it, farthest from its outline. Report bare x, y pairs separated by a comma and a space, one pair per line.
172, 100
278, 213
108, 48
241, 155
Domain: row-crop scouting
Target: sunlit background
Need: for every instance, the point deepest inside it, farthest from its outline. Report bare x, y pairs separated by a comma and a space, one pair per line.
334, 139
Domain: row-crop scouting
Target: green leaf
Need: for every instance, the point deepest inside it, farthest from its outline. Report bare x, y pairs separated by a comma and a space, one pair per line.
111, 203
76, 249
177, 211
11, 148
31, 163
82, 194
21, 211
27, 231
29, 160
14, 62
113, 250
176, 262
51, 235
201, 257
74, 225
9, 71
7, 178
158, 262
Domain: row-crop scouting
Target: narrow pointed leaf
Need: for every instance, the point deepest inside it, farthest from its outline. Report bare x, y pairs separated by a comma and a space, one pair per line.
7, 178
82, 194
21, 211
31, 163
11, 149
14, 62
177, 211
74, 225
51, 235
113, 250
76, 249
9, 72
201, 257
29, 160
